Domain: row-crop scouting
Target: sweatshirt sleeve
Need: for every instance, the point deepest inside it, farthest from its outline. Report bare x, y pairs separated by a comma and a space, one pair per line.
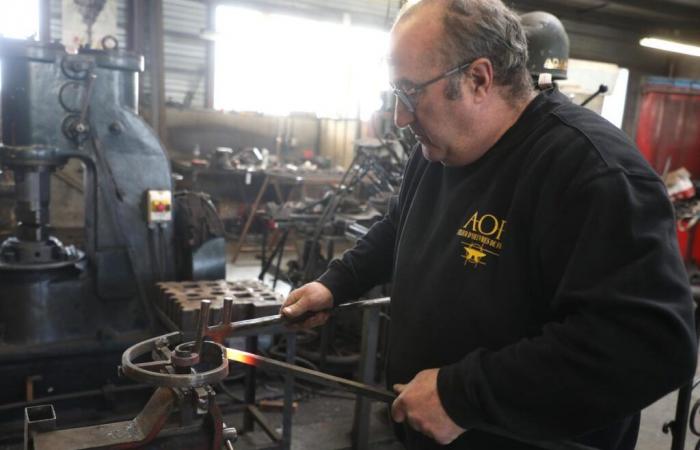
367, 264
621, 333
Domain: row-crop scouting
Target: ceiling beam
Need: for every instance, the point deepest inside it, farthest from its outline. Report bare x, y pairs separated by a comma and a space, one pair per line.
566, 12
643, 23
666, 7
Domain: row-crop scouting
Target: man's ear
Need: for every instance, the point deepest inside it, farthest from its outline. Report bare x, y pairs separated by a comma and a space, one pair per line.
480, 73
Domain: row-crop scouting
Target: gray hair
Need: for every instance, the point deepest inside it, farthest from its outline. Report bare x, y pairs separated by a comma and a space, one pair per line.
483, 28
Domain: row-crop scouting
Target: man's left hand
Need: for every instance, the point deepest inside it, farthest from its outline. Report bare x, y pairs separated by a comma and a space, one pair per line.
418, 403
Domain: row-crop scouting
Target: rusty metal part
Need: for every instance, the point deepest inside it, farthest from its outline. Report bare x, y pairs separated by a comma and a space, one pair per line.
217, 421
29, 386
203, 323
156, 426
128, 434
183, 356
213, 367
179, 302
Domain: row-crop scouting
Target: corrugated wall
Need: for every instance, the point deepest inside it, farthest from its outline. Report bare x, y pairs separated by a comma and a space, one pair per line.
185, 52
368, 12
337, 140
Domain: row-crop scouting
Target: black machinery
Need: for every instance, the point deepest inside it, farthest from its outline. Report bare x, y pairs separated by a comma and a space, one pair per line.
67, 314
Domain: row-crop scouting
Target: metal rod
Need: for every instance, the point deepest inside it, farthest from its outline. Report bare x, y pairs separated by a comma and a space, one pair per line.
602, 89
260, 419
366, 373
249, 220
228, 309
680, 423
202, 325
324, 379
282, 243
88, 95
251, 344
288, 408
280, 319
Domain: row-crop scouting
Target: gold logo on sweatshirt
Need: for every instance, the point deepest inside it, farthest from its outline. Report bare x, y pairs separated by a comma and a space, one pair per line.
482, 235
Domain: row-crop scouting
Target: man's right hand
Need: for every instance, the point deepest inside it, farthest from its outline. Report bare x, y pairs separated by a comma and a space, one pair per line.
310, 297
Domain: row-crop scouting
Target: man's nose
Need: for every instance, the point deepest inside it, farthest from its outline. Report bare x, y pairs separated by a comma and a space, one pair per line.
402, 116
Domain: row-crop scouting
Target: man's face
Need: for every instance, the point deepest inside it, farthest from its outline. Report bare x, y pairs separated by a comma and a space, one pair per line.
443, 118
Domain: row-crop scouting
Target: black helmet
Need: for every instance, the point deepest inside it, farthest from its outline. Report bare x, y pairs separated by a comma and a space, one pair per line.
547, 44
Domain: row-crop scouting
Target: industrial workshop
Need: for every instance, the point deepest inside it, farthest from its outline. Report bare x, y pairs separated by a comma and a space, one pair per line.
349, 224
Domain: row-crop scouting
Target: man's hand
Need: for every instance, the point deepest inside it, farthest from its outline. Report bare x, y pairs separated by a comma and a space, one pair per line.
310, 297
418, 403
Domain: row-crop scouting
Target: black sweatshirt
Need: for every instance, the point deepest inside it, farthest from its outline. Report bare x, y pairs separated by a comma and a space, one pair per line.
544, 280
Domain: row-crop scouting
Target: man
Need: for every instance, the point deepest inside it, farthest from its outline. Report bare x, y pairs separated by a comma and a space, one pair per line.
537, 284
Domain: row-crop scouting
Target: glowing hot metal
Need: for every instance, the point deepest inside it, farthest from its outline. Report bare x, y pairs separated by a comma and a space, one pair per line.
313, 376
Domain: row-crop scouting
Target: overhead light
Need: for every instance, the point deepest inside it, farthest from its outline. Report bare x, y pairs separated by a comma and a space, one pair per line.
670, 46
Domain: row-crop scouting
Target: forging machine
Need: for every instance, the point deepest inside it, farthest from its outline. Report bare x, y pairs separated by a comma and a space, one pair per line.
59, 305
67, 312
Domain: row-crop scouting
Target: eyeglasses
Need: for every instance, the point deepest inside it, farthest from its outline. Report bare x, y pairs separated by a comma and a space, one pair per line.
409, 97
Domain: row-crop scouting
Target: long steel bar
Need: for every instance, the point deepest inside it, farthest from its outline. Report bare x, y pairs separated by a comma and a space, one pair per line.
251, 359
279, 319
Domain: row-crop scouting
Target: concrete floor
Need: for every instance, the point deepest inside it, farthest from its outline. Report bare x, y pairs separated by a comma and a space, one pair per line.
324, 423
